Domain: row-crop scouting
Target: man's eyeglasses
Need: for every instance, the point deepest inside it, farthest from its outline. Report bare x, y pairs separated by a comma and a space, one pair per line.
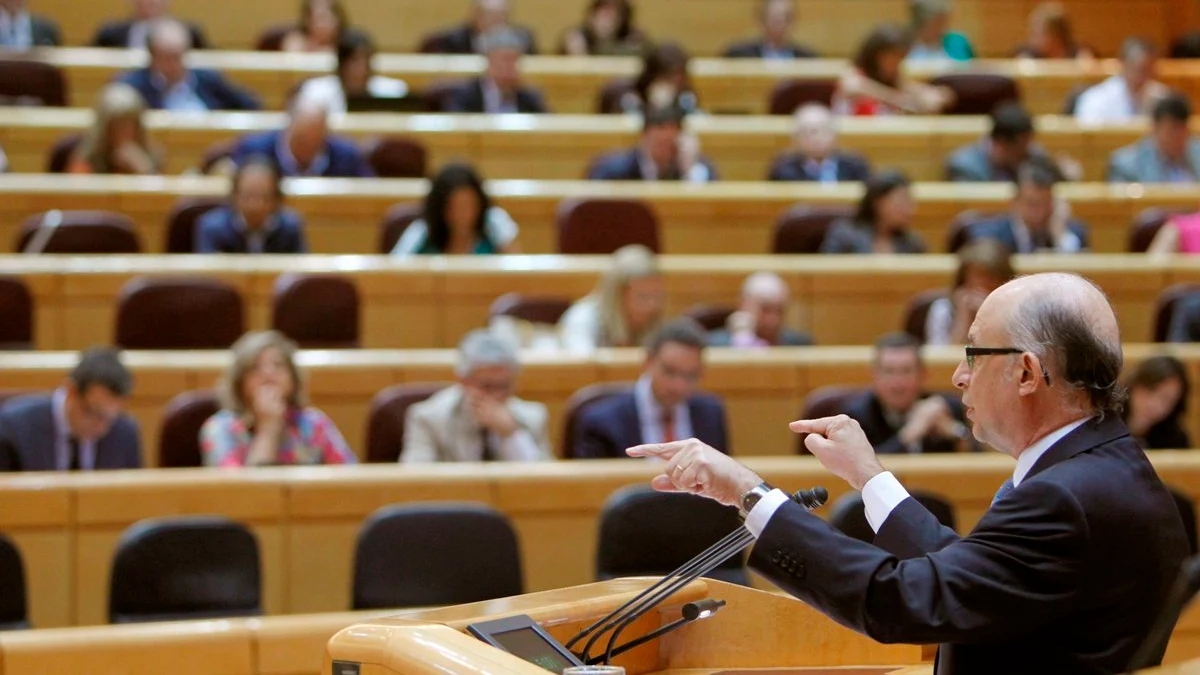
973, 352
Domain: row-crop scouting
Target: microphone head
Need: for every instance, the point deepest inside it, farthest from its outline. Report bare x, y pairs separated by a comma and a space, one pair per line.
811, 499
820, 496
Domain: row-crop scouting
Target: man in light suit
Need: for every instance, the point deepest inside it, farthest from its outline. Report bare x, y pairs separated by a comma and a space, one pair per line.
815, 155
478, 419
168, 84
1168, 155
1064, 573
82, 426
664, 405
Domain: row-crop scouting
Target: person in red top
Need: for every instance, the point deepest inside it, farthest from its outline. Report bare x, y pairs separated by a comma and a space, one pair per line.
875, 85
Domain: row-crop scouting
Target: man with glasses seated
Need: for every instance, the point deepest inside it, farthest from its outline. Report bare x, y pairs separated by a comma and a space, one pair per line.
665, 404
81, 426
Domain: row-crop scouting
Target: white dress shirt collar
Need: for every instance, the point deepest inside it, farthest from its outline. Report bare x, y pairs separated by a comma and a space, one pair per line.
1033, 453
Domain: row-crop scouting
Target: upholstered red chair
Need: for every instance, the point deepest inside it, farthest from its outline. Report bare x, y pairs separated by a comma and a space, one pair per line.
1166, 304
958, 234
79, 233
16, 306
791, 94
59, 157
317, 311
1146, 225
396, 157
178, 313
710, 317
395, 222
801, 228
27, 81
978, 93
546, 309
181, 222
917, 314
271, 39
179, 431
824, 402
601, 226
385, 422
580, 401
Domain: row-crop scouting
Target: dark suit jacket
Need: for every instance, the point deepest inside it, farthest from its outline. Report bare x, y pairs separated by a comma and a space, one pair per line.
217, 232
624, 165
791, 166
115, 34
1001, 229
469, 99
27, 438
607, 428
44, 32
1063, 575
753, 49
211, 87
345, 159
461, 40
868, 412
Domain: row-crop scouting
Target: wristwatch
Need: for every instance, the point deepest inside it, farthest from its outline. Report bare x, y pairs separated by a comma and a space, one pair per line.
751, 498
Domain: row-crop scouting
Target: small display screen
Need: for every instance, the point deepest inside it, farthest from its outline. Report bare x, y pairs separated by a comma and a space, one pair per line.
533, 647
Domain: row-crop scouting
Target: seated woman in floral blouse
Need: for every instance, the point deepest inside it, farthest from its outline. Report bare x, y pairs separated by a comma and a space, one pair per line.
264, 421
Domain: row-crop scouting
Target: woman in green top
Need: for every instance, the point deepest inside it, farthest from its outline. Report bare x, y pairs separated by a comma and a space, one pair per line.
932, 39
459, 219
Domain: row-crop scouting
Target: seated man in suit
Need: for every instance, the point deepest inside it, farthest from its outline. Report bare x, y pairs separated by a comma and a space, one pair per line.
896, 413
21, 30
131, 33
486, 16
997, 157
1037, 221
255, 219
1127, 95
759, 320
777, 18
664, 152
814, 155
305, 148
1168, 155
168, 84
499, 90
663, 406
478, 419
81, 426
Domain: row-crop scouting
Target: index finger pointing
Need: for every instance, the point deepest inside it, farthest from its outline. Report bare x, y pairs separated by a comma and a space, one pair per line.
817, 426
660, 450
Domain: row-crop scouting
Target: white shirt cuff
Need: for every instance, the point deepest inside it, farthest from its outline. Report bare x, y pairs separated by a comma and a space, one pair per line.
880, 495
756, 520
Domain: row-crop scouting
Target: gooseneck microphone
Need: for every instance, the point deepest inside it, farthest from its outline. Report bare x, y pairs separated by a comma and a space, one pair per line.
693, 611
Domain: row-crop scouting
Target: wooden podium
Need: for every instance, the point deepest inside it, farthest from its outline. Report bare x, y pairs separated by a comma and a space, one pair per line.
755, 630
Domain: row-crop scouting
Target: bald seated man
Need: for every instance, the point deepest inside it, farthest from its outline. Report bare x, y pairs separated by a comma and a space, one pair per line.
168, 84
131, 33
1065, 572
814, 155
759, 319
486, 16
305, 148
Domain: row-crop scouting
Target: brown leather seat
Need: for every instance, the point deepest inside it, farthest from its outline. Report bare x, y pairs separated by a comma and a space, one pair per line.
385, 422
801, 228
958, 234
1146, 225
81, 232
178, 313
271, 39
601, 226
179, 432
396, 157
395, 222
532, 308
26, 81
579, 401
317, 311
16, 306
824, 402
710, 317
1164, 307
437, 94
59, 157
917, 313
181, 222
978, 93
791, 94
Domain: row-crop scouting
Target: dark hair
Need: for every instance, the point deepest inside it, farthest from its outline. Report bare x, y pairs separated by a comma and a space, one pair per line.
897, 340
665, 58
624, 28
102, 367
878, 186
662, 116
1137, 46
884, 38
335, 6
1173, 106
450, 178
350, 44
1039, 172
683, 330
257, 162
985, 254
1010, 121
1149, 374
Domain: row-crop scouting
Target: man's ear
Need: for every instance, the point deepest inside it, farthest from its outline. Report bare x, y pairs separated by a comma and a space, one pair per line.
1031, 374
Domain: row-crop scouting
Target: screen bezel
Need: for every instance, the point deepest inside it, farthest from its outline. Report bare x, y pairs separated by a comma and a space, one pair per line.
487, 630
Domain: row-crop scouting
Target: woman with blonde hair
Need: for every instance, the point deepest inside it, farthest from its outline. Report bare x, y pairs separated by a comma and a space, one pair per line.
117, 141
983, 266
264, 419
626, 306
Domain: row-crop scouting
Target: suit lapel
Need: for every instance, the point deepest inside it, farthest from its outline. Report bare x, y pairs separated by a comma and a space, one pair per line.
1090, 434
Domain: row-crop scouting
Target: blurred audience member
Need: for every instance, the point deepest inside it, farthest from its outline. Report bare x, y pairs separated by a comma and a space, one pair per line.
117, 140
983, 266
883, 223
1158, 400
459, 219
20, 30
323, 24
305, 148
759, 319
354, 77
1037, 222
254, 220
777, 18
815, 155
1125, 96
264, 420
499, 90
875, 85
663, 82
626, 306
664, 152
1168, 155
131, 33
1180, 234
1050, 35
897, 414
932, 38
168, 84
665, 405
479, 419
486, 16
1185, 321
998, 157
608, 30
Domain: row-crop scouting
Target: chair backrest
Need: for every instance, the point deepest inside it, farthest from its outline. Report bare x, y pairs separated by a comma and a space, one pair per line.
416, 555
60, 153
395, 222
601, 226
791, 94
185, 568
978, 93
644, 532
178, 313
1072, 100
1164, 307
16, 306
917, 314
958, 234
801, 229
1187, 511
397, 157
608, 102
579, 401
710, 317
14, 613
385, 421
216, 153
82, 232
547, 309
26, 81
433, 43
181, 222
271, 39
1146, 225
179, 431
847, 514
1183, 591
824, 402
317, 311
